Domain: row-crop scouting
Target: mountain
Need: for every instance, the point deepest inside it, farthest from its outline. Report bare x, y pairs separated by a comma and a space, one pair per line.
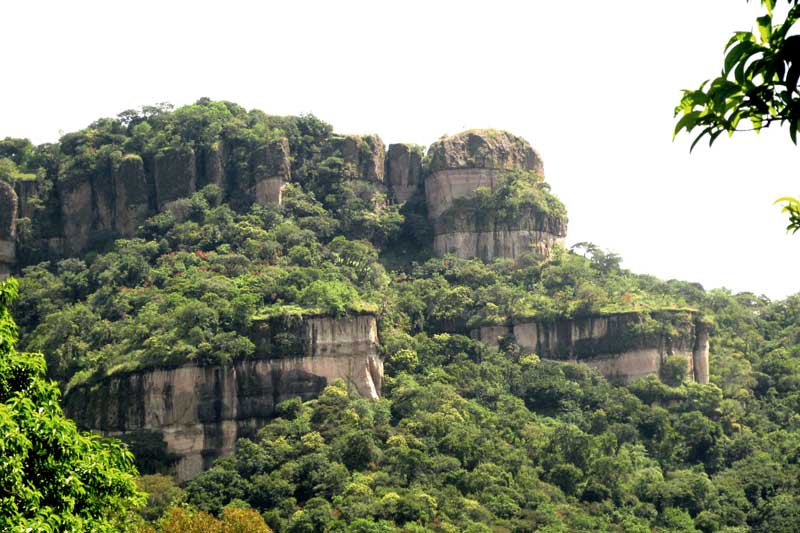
353, 337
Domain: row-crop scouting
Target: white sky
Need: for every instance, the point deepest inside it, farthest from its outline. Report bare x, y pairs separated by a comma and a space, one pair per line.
592, 85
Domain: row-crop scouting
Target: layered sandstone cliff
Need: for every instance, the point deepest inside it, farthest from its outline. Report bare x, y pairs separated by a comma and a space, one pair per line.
122, 191
199, 412
623, 346
8, 229
404, 170
484, 160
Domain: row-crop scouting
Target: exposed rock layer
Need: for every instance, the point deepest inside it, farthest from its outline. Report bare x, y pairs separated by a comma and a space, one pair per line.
403, 170
8, 228
201, 411
482, 159
115, 198
623, 346
488, 245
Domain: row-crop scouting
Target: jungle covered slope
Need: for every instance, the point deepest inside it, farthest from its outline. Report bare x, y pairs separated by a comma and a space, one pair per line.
465, 438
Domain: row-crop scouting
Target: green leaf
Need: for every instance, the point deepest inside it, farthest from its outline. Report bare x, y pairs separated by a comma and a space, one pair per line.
735, 54
697, 139
688, 121
765, 27
770, 5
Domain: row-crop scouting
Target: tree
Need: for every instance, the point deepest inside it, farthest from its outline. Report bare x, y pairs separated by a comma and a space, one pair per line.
758, 83
52, 477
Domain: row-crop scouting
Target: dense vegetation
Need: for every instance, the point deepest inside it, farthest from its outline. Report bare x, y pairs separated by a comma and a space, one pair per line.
52, 478
465, 438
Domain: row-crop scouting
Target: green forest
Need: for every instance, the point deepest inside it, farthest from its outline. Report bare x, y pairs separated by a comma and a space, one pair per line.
466, 436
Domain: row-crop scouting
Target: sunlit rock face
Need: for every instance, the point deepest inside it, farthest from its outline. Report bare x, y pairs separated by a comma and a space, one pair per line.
623, 346
461, 164
91, 207
200, 411
8, 229
271, 170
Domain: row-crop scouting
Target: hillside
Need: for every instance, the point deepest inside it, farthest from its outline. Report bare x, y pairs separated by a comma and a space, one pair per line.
352, 337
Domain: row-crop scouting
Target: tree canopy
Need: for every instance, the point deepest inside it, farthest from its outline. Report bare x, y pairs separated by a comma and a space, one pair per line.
52, 477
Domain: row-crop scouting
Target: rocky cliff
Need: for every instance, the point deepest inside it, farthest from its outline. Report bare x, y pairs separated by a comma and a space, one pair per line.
120, 192
622, 346
404, 170
483, 160
91, 201
199, 412
8, 229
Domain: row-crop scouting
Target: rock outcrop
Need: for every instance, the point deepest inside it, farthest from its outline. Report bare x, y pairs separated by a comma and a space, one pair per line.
111, 200
623, 346
132, 195
8, 229
175, 175
482, 159
271, 169
363, 156
199, 412
404, 170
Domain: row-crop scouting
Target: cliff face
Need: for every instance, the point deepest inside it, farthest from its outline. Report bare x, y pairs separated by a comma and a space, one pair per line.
404, 170
8, 229
199, 412
363, 156
622, 346
482, 159
117, 196
90, 206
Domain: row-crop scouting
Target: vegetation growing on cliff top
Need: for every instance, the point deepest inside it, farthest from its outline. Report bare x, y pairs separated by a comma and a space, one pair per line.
464, 438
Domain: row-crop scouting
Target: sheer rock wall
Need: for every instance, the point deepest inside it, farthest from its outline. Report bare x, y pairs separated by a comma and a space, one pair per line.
200, 411
481, 159
8, 229
623, 346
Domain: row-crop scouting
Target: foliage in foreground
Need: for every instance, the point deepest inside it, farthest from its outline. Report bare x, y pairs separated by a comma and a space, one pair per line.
52, 478
758, 87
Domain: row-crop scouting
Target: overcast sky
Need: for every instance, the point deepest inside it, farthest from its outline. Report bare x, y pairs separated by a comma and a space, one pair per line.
592, 85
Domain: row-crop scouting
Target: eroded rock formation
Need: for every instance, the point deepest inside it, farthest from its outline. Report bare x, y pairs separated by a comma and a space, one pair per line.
201, 411
460, 165
363, 156
404, 170
113, 199
8, 229
623, 346
271, 170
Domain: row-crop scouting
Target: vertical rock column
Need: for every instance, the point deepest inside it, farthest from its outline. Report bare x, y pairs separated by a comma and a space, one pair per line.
175, 175
131, 200
403, 170
482, 159
271, 169
8, 229
700, 353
